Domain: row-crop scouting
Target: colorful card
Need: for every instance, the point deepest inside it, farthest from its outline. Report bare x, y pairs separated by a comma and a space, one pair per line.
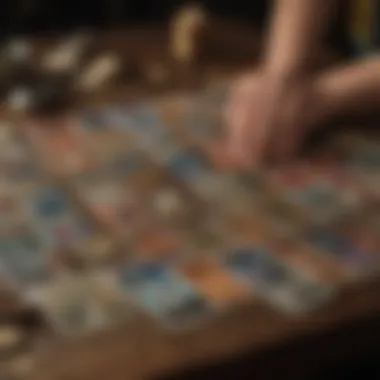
187, 166
17, 163
24, 257
79, 305
59, 225
113, 204
343, 249
165, 295
309, 261
219, 286
61, 146
272, 280
315, 194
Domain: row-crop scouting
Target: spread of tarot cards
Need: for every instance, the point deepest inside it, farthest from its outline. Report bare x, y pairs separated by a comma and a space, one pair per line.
133, 208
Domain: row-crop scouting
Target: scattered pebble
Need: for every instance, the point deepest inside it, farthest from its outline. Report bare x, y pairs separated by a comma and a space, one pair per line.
99, 72
20, 99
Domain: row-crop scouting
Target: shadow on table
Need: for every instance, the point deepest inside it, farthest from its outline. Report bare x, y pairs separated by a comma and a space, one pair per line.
345, 353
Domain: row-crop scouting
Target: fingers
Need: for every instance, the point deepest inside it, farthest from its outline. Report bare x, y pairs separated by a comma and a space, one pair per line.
290, 131
246, 132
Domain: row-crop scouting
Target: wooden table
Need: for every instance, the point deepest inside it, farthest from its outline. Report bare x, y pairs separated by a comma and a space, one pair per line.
274, 344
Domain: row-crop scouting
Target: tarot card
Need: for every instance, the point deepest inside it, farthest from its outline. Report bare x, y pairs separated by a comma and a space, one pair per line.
216, 283
197, 174
104, 141
62, 147
16, 161
342, 249
66, 307
94, 120
278, 284
112, 147
24, 257
142, 121
113, 205
151, 134
310, 262
116, 151
110, 116
324, 203
316, 196
78, 305
165, 295
108, 297
163, 147
59, 225
121, 117
187, 166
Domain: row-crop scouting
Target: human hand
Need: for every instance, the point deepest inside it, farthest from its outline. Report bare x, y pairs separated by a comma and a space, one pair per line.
268, 115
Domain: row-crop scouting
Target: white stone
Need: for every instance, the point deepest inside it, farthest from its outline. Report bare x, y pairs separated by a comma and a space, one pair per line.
19, 99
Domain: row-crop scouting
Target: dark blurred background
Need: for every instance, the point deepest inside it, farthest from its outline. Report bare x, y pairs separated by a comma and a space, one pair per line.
41, 16
55, 16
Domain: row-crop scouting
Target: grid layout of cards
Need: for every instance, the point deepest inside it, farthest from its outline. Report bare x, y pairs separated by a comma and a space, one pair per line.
39, 224
194, 236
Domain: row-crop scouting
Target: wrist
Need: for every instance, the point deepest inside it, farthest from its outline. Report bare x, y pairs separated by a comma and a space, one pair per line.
284, 73
283, 66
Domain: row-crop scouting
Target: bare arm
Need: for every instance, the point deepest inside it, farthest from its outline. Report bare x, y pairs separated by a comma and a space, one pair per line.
297, 27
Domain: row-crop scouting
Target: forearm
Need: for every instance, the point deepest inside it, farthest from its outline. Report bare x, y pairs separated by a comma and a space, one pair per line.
297, 27
349, 90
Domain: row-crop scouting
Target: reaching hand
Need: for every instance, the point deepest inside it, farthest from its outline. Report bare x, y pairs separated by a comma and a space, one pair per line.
267, 116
